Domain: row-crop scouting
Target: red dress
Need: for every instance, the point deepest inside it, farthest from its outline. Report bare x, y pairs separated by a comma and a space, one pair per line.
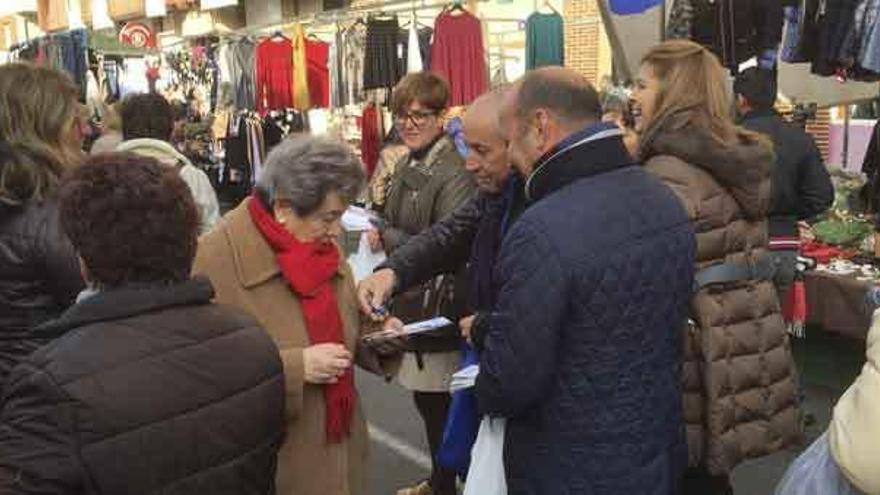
274, 74
317, 54
370, 138
458, 56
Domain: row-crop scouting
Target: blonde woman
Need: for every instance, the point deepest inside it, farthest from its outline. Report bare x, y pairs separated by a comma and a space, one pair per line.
739, 376
41, 133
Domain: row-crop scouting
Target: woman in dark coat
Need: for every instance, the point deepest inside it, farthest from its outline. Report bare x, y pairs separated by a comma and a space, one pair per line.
41, 133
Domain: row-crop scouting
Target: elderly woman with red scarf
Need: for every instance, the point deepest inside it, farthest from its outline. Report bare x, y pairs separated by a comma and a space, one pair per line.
276, 256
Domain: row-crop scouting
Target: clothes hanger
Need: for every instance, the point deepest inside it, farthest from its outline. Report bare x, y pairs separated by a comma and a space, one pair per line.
456, 6
278, 36
548, 5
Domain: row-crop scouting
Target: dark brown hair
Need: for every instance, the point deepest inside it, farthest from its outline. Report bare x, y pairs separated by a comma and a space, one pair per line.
131, 219
147, 115
430, 90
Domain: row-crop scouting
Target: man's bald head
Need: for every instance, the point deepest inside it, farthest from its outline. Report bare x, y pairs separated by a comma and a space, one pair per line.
486, 109
487, 157
544, 107
566, 94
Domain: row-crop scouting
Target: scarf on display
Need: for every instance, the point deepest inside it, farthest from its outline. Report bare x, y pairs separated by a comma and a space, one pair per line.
309, 268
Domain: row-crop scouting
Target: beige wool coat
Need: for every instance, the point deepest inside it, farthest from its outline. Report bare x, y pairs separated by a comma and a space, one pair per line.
242, 267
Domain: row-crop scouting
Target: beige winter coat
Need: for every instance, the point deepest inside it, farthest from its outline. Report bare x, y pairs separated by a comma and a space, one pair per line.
854, 433
242, 267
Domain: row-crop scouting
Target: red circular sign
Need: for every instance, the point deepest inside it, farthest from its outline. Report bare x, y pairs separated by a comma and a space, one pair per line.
137, 35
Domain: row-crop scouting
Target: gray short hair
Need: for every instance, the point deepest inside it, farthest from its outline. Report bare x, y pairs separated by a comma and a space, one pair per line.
305, 169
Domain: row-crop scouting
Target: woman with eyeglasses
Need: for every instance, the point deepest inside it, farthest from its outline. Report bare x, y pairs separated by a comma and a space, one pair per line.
42, 126
429, 183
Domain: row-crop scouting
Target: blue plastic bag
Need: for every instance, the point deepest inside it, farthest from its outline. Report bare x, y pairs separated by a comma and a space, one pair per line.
462, 423
815, 473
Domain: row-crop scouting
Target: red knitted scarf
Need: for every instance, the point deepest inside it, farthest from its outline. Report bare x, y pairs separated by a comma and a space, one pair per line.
309, 268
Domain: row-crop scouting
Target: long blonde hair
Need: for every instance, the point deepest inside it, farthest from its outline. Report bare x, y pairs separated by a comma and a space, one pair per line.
37, 107
692, 92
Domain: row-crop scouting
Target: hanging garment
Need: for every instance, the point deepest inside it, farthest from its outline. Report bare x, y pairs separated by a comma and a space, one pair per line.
337, 74
458, 56
414, 61
72, 52
866, 50
317, 55
242, 66
224, 67
681, 17
274, 74
423, 36
300, 82
371, 138
737, 30
544, 40
111, 81
381, 61
353, 58
791, 36
869, 57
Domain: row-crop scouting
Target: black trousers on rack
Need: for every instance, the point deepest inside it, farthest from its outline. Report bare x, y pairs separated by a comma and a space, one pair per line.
382, 68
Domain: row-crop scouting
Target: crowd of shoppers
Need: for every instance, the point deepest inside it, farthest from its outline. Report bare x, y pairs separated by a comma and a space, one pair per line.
616, 286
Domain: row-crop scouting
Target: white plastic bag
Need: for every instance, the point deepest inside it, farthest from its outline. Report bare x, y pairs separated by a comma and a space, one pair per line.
815, 473
486, 475
364, 261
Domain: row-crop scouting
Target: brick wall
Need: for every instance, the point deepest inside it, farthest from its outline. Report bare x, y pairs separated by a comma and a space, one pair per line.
586, 45
819, 129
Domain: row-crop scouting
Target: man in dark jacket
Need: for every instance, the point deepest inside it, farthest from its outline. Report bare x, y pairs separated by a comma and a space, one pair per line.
582, 349
801, 185
470, 234
147, 387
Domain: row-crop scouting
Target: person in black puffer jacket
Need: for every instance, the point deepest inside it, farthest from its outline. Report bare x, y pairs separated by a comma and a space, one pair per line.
801, 185
147, 387
39, 273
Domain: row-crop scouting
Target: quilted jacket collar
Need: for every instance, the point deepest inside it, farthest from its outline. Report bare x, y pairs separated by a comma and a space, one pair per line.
124, 302
592, 151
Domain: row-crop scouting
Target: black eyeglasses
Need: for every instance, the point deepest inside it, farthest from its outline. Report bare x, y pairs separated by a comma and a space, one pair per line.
417, 119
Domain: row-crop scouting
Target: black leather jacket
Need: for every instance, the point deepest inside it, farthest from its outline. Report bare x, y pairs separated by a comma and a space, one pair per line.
39, 277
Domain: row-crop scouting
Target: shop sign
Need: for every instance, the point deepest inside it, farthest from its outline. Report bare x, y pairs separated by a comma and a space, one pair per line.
137, 35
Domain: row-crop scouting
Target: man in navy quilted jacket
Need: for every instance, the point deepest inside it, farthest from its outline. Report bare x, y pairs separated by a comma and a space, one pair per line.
582, 349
